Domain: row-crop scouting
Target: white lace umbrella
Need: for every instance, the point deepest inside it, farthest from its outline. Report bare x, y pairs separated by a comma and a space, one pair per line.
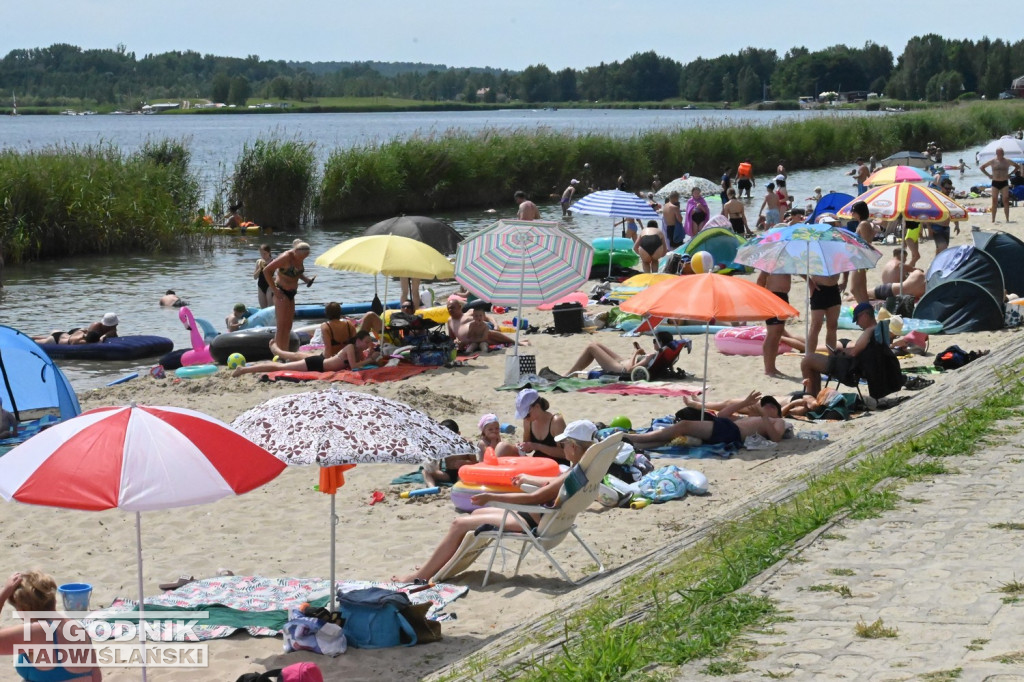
685, 185
331, 428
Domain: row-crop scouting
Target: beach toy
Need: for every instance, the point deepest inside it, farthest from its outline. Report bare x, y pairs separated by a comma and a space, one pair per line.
194, 371
500, 470
420, 492
235, 360
462, 493
743, 341
200, 353
702, 262
521, 323
621, 422
126, 377
639, 503
75, 596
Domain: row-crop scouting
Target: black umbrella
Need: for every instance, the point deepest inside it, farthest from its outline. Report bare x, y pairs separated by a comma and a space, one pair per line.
905, 158
433, 233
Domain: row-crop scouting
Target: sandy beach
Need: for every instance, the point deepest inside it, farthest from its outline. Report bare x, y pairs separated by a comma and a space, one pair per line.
282, 529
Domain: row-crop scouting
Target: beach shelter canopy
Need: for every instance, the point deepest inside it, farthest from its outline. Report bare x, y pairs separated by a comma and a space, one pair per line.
964, 291
909, 200
1008, 251
338, 429
387, 255
830, 203
29, 381
1013, 149
437, 235
135, 458
907, 158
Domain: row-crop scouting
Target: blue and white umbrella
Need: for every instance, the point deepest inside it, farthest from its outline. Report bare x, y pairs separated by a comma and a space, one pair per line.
614, 203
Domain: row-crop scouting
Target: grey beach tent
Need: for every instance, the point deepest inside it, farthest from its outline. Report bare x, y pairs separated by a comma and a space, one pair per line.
963, 291
1009, 253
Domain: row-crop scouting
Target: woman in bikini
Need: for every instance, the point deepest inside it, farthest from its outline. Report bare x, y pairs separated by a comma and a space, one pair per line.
355, 354
335, 333
540, 426
736, 212
650, 246
34, 592
282, 275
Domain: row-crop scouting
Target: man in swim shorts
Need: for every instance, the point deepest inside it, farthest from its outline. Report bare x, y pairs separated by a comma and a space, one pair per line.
1000, 176
722, 428
527, 209
774, 327
826, 301
672, 216
770, 207
567, 196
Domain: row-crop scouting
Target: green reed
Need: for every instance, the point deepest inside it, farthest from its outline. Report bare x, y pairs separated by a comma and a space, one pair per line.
69, 200
454, 169
276, 180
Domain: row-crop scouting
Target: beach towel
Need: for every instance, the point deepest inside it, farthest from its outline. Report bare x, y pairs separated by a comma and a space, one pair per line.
377, 375
641, 388
543, 385
723, 450
259, 605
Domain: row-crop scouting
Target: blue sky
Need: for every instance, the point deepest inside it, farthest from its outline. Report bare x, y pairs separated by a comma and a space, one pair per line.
502, 34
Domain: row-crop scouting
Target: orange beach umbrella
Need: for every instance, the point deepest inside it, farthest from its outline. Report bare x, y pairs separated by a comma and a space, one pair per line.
709, 298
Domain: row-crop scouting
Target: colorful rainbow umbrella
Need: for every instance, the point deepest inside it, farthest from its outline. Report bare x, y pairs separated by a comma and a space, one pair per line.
709, 298
519, 262
909, 200
893, 174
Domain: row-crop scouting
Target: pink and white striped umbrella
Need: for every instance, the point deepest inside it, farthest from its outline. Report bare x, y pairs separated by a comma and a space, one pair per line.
136, 458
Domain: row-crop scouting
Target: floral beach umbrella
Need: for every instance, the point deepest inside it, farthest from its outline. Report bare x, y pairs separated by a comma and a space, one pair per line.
339, 429
685, 185
808, 249
137, 458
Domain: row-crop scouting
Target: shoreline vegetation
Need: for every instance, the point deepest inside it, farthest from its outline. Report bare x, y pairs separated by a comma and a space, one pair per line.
66, 201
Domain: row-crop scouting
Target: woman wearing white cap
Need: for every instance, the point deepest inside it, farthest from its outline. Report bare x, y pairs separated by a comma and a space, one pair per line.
540, 427
106, 327
574, 441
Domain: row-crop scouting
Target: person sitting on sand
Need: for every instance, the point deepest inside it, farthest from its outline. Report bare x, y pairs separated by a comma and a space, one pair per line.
575, 440
106, 327
237, 318
457, 323
844, 359
33, 592
612, 363
913, 285
334, 333
475, 333
8, 424
490, 437
537, 420
355, 354
722, 428
446, 470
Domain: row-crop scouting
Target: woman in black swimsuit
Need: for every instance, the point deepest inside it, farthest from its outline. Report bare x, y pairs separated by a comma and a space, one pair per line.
650, 246
735, 211
265, 297
697, 212
539, 426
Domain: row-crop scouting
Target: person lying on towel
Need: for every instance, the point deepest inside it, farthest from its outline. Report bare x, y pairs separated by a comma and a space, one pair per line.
724, 428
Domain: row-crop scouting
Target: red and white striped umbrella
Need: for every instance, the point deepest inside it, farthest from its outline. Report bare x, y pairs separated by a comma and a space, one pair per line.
135, 458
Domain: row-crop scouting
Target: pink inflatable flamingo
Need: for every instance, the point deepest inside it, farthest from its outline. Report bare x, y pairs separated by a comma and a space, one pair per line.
200, 353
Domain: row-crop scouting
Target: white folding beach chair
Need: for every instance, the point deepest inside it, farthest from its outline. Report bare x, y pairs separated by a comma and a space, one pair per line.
558, 522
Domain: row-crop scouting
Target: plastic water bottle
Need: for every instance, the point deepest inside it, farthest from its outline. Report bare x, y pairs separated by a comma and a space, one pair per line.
812, 435
420, 492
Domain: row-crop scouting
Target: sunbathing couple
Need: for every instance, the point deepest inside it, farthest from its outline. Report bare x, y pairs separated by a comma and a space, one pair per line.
728, 426
105, 329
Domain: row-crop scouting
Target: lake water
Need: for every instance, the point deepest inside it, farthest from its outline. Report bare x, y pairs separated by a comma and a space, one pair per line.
70, 292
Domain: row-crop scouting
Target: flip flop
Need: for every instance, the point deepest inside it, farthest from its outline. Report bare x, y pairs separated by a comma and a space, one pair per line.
180, 582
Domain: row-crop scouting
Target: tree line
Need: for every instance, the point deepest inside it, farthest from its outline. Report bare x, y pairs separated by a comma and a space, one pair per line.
931, 67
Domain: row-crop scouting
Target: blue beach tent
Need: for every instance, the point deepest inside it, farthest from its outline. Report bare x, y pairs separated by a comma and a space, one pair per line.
830, 203
29, 381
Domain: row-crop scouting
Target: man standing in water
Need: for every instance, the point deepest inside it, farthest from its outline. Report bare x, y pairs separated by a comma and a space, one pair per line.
770, 207
1000, 177
567, 196
527, 209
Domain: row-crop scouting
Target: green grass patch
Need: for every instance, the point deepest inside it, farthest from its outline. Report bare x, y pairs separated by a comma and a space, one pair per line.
696, 609
1007, 526
977, 644
841, 571
943, 675
876, 630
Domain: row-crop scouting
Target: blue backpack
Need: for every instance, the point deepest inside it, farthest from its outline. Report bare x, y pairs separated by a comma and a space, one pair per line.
373, 619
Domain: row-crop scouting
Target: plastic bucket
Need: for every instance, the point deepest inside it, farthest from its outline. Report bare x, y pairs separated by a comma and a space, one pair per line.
75, 596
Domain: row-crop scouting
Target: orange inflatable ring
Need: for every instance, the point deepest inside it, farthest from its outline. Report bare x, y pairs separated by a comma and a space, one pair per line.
462, 493
504, 468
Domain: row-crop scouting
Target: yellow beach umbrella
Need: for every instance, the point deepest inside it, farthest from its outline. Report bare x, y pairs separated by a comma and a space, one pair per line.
388, 255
